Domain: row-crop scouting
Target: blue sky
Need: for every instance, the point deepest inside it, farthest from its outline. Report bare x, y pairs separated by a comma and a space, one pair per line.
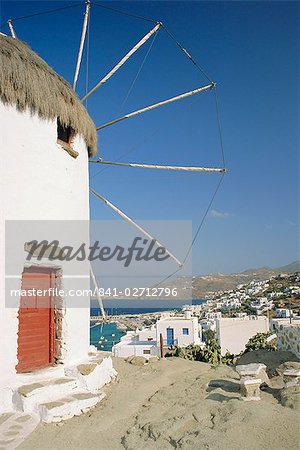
251, 49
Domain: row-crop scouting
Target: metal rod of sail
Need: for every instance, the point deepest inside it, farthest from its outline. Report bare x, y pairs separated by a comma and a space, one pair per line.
123, 60
122, 214
154, 166
11, 28
99, 298
83, 34
157, 105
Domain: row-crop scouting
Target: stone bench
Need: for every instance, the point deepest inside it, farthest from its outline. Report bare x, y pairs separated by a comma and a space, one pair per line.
291, 377
251, 378
250, 388
253, 371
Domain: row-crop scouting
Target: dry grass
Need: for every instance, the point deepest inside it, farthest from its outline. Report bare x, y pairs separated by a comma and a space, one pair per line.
27, 82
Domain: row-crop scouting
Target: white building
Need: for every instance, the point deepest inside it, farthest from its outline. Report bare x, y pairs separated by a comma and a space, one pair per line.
179, 330
234, 333
176, 330
46, 137
283, 313
137, 343
209, 322
277, 322
214, 315
196, 310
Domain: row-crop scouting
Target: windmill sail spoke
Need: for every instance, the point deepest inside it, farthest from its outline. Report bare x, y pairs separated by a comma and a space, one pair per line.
159, 104
128, 219
83, 34
123, 60
155, 166
99, 298
11, 29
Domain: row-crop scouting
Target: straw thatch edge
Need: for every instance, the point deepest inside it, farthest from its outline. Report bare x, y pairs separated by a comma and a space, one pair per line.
28, 82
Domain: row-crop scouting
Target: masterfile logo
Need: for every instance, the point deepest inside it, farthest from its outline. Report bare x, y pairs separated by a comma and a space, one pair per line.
125, 263
139, 250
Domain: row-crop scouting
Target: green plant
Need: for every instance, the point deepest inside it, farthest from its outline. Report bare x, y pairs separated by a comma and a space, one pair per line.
208, 334
190, 352
229, 358
210, 353
259, 341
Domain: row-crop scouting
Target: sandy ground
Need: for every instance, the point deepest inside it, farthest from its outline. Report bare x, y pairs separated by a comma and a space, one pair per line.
175, 403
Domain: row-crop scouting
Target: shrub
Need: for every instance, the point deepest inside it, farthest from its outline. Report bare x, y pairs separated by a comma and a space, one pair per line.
259, 342
230, 359
210, 353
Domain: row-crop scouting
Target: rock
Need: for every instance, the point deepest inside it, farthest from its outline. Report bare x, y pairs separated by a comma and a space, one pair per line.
289, 365
290, 397
291, 377
137, 360
153, 360
224, 371
272, 359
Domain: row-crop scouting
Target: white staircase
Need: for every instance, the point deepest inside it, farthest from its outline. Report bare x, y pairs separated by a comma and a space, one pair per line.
54, 400
67, 407
60, 398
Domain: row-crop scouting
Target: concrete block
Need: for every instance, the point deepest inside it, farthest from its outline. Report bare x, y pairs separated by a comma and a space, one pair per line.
254, 371
291, 377
249, 388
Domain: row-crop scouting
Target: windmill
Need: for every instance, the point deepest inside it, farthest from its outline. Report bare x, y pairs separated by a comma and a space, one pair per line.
156, 27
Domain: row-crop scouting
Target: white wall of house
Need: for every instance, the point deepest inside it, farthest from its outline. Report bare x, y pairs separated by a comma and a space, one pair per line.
234, 333
146, 342
128, 348
208, 324
179, 324
39, 181
147, 334
277, 322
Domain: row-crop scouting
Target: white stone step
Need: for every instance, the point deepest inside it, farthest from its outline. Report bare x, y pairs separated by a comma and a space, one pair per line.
27, 397
70, 406
93, 373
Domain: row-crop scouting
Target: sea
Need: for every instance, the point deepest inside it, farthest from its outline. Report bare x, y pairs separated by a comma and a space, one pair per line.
105, 336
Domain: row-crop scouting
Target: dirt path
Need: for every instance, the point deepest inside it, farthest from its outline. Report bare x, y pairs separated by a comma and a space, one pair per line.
167, 405
104, 426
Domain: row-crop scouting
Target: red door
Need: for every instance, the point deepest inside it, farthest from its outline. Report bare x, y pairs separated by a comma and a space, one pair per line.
36, 320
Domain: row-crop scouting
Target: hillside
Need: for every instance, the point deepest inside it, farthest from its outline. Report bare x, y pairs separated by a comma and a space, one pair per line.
207, 284
290, 268
204, 285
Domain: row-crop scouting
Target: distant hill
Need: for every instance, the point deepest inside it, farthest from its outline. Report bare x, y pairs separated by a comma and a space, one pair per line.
207, 284
290, 268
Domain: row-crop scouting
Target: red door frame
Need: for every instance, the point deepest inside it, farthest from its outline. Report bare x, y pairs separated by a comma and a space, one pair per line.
36, 271
51, 320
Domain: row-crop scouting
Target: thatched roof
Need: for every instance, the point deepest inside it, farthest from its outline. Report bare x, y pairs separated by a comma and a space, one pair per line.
27, 82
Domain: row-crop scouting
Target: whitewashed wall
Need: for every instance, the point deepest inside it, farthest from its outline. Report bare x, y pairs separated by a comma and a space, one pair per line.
39, 181
234, 333
178, 324
125, 349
